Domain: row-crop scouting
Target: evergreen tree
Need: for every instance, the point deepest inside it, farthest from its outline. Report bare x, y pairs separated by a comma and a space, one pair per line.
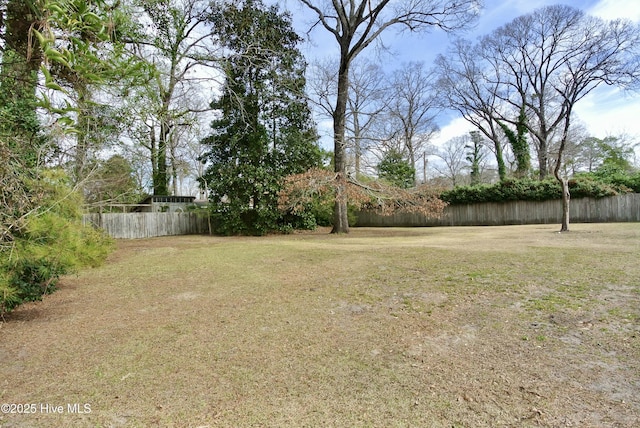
395, 169
475, 156
264, 131
41, 234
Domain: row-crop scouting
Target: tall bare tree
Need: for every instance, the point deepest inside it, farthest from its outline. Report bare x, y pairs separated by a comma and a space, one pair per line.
365, 106
453, 155
466, 88
414, 107
357, 24
548, 61
367, 103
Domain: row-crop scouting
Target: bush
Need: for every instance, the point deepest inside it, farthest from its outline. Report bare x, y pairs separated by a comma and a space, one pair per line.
52, 243
586, 187
237, 219
619, 180
526, 189
322, 211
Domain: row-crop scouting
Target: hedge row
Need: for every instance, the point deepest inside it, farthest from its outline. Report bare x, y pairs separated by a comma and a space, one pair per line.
526, 189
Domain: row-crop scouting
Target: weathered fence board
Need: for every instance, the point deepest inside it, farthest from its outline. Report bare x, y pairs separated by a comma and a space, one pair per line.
148, 225
623, 208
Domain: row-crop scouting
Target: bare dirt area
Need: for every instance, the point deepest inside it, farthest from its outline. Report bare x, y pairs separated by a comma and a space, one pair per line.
515, 326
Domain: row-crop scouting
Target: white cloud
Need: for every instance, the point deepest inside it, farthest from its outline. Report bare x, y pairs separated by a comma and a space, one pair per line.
608, 111
613, 9
457, 127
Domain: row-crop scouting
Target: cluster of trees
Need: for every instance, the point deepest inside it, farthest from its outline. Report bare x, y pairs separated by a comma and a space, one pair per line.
599, 158
390, 114
41, 233
264, 131
518, 87
98, 96
522, 82
355, 26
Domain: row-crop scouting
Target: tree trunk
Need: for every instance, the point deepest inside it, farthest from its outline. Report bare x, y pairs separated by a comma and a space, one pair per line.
543, 160
412, 159
502, 168
82, 137
340, 219
161, 179
424, 167
566, 199
174, 166
22, 55
564, 182
357, 157
153, 153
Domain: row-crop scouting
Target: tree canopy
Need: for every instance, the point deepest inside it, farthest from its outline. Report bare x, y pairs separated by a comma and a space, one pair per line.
85, 83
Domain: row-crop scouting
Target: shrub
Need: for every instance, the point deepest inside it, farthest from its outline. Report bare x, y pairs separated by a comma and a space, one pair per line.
321, 208
619, 180
526, 189
52, 243
586, 187
9, 296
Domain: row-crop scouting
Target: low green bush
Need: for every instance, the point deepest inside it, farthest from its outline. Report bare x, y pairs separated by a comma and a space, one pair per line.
619, 180
53, 242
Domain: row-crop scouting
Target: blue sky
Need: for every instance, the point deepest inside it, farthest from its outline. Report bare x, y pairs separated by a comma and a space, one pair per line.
605, 112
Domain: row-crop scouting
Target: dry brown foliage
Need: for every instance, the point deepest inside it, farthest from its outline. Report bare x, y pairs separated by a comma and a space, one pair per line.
299, 190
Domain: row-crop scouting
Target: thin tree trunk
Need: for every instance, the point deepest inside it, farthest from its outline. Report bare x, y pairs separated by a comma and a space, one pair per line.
564, 182
161, 182
174, 172
82, 137
356, 143
502, 169
412, 157
340, 219
566, 199
153, 152
424, 167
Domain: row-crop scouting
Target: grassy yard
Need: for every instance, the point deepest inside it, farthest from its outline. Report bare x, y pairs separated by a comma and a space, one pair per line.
514, 326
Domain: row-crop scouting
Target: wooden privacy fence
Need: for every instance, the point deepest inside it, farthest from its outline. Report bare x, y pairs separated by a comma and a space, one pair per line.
623, 208
148, 225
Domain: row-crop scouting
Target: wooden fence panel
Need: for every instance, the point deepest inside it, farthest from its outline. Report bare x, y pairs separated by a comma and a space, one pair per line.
148, 225
623, 208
